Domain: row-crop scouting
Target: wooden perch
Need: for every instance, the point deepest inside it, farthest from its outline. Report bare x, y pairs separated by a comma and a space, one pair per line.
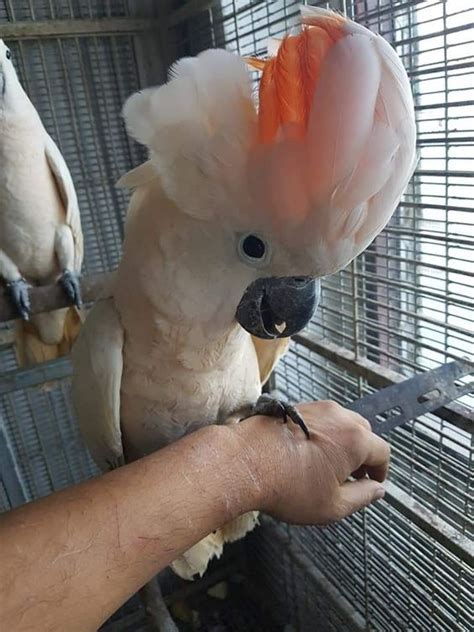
50, 297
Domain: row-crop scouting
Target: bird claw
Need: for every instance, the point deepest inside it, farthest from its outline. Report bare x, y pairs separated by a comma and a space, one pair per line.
18, 291
272, 407
70, 283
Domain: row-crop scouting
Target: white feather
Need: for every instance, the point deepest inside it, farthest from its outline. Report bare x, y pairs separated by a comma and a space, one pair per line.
340, 185
98, 363
198, 128
387, 162
341, 117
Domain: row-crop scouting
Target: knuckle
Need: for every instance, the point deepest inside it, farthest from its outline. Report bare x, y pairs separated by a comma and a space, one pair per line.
383, 445
331, 407
363, 422
354, 442
368, 498
342, 509
356, 431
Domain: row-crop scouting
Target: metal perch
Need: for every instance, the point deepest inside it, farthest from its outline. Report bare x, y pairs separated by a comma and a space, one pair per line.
50, 297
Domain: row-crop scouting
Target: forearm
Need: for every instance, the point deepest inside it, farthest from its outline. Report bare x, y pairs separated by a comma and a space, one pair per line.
80, 553
67, 562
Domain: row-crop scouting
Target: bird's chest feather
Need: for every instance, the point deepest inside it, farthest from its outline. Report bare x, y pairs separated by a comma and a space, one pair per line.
30, 209
162, 400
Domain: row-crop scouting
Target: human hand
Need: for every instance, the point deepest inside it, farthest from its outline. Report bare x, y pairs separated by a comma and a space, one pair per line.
306, 482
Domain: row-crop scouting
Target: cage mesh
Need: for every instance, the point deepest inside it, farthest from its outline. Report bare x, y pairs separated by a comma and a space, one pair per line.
44, 438
17, 10
376, 571
405, 304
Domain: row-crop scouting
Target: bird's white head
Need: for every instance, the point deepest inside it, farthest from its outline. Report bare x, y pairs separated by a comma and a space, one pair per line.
14, 102
306, 184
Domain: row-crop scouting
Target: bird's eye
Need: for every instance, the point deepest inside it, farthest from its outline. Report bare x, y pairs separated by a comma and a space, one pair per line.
8, 54
253, 249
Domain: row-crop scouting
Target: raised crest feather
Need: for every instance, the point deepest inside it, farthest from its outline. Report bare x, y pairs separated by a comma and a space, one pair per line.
198, 128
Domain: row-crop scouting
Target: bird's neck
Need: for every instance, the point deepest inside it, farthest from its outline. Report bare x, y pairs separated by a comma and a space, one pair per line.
198, 346
164, 302
15, 105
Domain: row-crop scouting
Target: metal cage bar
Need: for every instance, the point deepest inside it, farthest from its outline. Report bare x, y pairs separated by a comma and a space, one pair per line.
405, 305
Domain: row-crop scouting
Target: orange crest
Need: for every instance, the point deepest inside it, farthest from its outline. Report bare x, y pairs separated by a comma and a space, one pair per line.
289, 80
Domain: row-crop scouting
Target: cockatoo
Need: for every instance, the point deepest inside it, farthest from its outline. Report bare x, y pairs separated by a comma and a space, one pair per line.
40, 228
232, 223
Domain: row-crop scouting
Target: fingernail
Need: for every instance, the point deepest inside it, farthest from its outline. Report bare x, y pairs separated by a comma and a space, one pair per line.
380, 493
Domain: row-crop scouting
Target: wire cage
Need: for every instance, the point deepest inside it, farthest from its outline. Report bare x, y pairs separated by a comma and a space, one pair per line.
403, 306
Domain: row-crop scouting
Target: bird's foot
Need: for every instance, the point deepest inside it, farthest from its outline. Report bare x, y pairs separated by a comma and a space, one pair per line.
18, 291
70, 283
272, 407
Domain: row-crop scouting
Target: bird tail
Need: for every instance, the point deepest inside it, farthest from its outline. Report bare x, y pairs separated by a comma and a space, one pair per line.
196, 560
30, 348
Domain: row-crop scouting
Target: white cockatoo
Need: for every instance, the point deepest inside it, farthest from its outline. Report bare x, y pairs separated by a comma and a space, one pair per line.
233, 221
40, 227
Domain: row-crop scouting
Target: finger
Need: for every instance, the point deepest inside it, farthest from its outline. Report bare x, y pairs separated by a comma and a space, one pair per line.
377, 457
354, 495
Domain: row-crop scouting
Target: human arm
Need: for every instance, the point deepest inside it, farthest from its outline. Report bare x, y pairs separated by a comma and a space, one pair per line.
70, 560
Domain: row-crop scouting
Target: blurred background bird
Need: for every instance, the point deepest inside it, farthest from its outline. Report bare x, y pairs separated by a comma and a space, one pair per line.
40, 227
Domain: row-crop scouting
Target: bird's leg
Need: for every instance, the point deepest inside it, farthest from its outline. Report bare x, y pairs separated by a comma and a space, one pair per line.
272, 407
18, 291
69, 280
16, 285
156, 608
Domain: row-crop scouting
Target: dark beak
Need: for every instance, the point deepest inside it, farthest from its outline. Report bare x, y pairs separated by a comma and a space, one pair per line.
278, 307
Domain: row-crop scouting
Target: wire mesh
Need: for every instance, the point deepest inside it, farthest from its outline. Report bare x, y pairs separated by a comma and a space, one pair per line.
421, 268
374, 571
40, 426
13, 10
405, 304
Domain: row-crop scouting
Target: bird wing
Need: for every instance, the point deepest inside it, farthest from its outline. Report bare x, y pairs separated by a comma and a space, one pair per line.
269, 353
98, 364
139, 176
68, 195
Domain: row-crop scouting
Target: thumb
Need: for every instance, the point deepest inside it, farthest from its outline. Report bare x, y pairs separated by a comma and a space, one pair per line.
354, 495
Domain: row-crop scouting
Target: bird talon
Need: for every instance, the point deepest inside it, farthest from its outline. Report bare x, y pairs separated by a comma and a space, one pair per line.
70, 283
20, 297
271, 407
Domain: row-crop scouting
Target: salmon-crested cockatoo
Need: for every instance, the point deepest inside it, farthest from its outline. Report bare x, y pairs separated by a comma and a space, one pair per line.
40, 227
233, 221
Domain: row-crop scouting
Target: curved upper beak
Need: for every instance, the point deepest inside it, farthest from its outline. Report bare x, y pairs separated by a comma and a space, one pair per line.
278, 307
